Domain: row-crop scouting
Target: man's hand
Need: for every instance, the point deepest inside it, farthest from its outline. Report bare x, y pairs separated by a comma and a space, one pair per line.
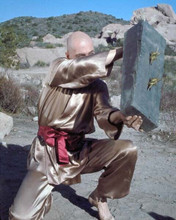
134, 121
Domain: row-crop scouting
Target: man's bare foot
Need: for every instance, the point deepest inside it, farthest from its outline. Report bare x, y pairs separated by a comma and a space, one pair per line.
101, 205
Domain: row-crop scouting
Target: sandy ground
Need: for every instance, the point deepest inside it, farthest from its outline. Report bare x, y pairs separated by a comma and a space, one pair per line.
153, 189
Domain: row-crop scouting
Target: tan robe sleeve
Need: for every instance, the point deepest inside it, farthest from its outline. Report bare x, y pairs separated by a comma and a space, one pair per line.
102, 111
77, 73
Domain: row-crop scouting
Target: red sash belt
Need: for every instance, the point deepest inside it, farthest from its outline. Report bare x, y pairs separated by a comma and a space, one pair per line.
55, 138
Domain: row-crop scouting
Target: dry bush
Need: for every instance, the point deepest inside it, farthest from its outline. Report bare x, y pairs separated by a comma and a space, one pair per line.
168, 107
168, 100
16, 99
31, 95
167, 131
10, 95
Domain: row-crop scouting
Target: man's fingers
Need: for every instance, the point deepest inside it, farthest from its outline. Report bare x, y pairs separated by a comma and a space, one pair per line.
137, 123
134, 122
130, 119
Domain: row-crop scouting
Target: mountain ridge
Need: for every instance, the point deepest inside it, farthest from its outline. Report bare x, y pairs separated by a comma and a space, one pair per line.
89, 22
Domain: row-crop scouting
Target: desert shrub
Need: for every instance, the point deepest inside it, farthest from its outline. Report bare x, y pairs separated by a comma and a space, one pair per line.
168, 100
39, 44
28, 19
59, 45
40, 63
50, 19
31, 95
102, 48
169, 51
49, 46
8, 45
170, 66
168, 108
36, 33
119, 42
170, 74
40, 39
34, 24
10, 95
49, 24
15, 98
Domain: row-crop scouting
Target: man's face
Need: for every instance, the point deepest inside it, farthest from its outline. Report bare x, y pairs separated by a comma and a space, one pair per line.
80, 49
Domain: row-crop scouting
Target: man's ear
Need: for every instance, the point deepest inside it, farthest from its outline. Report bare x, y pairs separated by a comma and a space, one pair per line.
67, 55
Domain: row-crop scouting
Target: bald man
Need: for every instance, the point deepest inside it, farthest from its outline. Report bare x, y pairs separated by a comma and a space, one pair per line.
72, 96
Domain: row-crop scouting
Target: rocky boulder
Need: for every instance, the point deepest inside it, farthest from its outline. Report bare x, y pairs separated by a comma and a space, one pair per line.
39, 56
161, 14
6, 123
35, 56
49, 38
97, 42
167, 10
162, 18
112, 32
168, 32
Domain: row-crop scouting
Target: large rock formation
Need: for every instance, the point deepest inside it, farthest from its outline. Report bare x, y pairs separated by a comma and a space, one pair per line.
162, 13
39, 56
162, 18
167, 10
6, 123
49, 38
31, 56
112, 32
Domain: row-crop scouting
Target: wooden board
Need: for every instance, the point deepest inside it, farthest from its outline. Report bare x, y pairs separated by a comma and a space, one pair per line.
142, 73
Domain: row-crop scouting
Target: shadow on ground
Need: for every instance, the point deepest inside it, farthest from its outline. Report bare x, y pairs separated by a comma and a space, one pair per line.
79, 201
13, 168
159, 217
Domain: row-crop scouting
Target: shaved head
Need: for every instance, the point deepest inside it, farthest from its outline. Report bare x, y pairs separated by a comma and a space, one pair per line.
79, 44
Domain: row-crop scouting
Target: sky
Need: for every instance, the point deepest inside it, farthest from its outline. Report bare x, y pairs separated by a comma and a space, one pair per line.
47, 8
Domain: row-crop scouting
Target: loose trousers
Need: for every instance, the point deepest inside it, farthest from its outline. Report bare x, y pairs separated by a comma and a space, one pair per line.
116, 157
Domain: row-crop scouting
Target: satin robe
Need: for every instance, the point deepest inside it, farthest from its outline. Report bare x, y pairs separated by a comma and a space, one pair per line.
72, 96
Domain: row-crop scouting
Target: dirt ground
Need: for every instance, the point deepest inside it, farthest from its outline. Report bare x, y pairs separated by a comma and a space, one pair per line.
153, 189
